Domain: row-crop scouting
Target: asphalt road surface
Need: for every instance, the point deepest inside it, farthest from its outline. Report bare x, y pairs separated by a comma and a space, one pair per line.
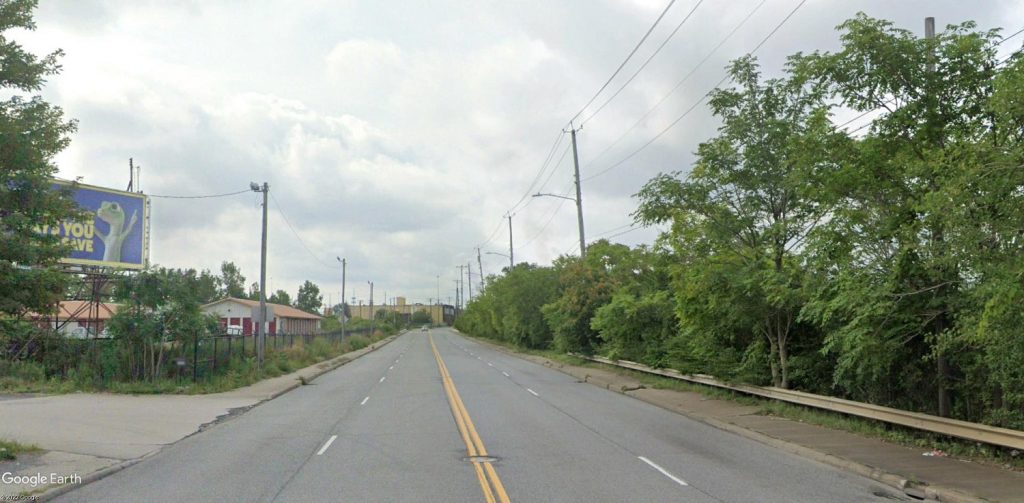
437, 417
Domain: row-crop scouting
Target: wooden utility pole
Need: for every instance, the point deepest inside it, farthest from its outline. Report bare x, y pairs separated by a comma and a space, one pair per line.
480, 264
579, 192
511, 261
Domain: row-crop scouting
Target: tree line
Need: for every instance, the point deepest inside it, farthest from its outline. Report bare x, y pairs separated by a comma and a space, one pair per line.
882, 264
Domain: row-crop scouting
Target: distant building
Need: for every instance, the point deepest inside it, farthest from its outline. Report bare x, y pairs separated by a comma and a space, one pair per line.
440, 314
79, 319
236, 315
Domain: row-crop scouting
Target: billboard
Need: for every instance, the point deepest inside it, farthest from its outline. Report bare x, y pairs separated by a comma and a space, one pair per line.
117, 235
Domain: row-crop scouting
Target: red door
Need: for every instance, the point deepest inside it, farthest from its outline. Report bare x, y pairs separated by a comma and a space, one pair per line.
246, 326
273, 327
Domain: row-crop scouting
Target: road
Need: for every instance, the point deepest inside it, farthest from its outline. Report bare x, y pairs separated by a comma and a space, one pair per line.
435, 416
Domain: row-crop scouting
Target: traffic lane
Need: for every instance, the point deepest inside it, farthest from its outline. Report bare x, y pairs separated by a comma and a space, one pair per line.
727, 466
249, 457
401, 444
543, 455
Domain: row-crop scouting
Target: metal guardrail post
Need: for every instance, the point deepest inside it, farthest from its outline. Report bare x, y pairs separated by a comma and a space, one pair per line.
994, 435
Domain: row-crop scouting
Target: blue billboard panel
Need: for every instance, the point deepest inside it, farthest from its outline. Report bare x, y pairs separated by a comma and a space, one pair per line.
117, 235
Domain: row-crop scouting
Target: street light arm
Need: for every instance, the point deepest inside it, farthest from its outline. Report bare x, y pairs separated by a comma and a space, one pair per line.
555, 195
496, 253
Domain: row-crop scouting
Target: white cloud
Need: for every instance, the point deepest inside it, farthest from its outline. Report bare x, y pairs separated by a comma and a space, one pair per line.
394, 134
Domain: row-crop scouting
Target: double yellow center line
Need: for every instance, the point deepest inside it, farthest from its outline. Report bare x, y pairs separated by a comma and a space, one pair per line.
485, 472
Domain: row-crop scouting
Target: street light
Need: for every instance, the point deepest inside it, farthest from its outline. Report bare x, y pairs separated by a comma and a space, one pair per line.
579, 211
502, 255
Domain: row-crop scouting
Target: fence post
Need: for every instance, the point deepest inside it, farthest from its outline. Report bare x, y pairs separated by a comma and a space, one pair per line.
195, 356
214, 353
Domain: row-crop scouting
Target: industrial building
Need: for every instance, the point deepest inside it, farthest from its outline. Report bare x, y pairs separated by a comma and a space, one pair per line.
286, 320
440, 314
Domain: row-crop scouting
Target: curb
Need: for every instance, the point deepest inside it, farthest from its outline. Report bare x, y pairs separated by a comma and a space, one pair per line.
896, 481
89, 478
324, 367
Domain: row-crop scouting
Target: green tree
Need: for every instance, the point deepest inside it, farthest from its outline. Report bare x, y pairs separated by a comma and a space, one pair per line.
309, 298
921, 214
584, 286
232, 283
280, 297
421, 317
161, 306
32, 132
743, 213
509, 309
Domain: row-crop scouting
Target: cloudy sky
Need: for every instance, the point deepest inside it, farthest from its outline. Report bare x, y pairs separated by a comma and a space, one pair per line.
397, 134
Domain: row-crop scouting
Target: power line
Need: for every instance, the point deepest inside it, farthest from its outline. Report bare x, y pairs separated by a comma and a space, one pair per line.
631, 53
303, 243
892, 100
644, 65
540, 173
555, 170
609, 231
494, 232
201, 197
565, 193
627, 231
698, 102
680, 83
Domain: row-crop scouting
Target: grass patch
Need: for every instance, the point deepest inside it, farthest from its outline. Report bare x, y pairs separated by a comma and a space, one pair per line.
9, 449
239, 372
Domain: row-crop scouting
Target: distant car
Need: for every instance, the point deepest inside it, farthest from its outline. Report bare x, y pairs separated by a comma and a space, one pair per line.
424, 328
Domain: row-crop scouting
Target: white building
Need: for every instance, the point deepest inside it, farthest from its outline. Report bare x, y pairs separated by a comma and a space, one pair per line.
287, 320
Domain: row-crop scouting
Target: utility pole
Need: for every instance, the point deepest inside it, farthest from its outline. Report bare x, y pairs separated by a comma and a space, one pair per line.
480, 264
342, 296
373, 319
511, 261
469, 281
579, 195
460, 283
261, 332
941, 364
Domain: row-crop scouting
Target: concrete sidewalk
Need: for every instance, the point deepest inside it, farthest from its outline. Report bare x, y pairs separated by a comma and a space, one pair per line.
86, 436
919, 476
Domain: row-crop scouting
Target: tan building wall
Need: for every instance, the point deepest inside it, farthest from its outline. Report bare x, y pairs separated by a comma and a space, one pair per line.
439, 314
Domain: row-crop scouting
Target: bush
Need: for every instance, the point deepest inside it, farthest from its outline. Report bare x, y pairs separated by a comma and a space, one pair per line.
358, 342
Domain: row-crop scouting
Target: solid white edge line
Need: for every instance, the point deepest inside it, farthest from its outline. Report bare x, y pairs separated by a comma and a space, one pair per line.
506, 374
675, 479
364, 401
326, 445
532, 391
382, 379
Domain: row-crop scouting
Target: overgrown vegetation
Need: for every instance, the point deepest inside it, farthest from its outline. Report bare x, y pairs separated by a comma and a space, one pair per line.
882, 264
9, 450
236, 372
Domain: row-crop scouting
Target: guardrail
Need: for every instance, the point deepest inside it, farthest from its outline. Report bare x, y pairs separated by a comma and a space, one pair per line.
994, 435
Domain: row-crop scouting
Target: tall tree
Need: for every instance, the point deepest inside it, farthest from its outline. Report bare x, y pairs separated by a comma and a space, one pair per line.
232, 283
309, 298
280, 297
898, 254
743, 213
32, 132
